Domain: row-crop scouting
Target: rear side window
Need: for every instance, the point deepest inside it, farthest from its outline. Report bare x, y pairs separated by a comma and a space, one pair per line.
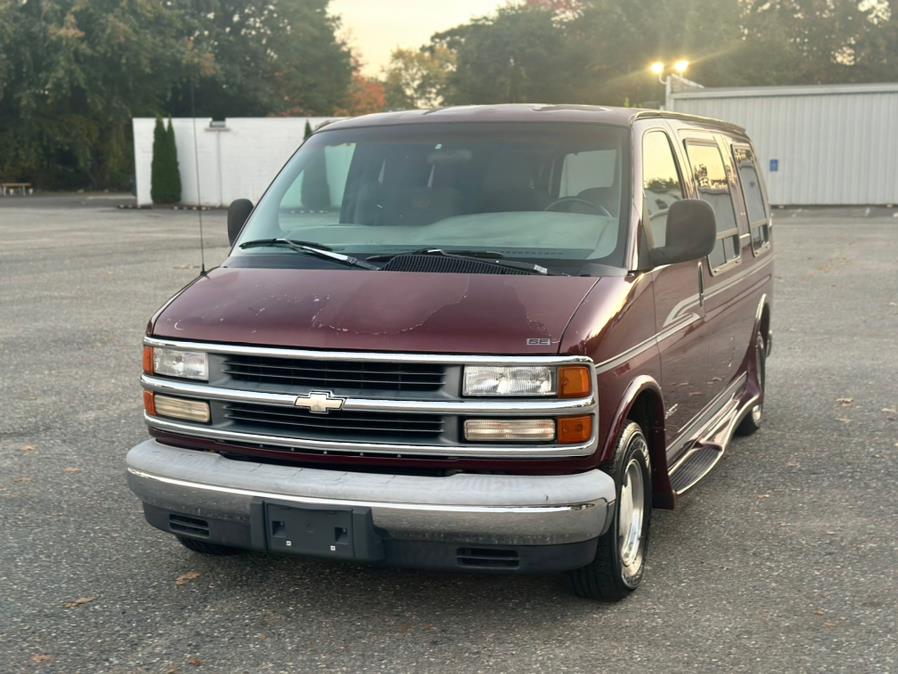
660, 185
758, 217
713, 185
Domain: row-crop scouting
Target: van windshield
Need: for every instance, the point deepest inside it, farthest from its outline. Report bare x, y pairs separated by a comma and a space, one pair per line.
535, 192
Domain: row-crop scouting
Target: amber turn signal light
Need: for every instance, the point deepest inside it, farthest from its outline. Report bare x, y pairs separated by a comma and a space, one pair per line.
149, 404
574, 429
574, 381
148, 360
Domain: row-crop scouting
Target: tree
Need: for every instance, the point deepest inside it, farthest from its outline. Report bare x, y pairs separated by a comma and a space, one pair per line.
268, 57
366, 95
597, 51
418, 78
173, 168
157, 164
165, 179
74, 73
519, 54
308, 131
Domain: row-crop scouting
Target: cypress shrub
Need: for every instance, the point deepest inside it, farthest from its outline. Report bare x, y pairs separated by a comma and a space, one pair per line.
165, 178
157, 182
175, 167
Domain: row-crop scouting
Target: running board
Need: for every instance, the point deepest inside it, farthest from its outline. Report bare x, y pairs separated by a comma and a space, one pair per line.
694, 467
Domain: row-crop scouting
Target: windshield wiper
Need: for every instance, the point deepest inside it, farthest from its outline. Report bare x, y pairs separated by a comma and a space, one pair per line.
485, 256
311, 248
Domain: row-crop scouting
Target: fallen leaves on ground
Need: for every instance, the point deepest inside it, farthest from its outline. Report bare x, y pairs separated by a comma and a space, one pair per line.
28, 449
80, 601
845, 401
71, 469
41, 658
196, 662
185, 578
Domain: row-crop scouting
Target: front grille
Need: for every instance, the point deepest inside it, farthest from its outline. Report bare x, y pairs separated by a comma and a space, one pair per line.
347, 425
336, 374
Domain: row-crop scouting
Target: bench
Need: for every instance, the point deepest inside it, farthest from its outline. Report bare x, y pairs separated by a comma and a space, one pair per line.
10, 189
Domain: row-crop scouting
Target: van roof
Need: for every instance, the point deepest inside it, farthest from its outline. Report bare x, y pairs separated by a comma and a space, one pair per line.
527, 112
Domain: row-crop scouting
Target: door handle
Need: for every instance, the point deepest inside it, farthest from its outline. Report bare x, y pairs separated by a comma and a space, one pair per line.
701, 286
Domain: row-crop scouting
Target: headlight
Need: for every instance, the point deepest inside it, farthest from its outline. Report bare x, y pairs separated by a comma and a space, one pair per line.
566, 381
491, 380
176, 363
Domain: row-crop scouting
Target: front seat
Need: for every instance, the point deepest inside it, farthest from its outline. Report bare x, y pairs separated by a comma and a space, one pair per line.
508, 187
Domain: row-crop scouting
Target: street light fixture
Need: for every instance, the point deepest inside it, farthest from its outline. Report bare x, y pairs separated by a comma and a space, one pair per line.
677, 69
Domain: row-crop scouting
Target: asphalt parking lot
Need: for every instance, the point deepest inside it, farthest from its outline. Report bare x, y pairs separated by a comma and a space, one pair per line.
783, 559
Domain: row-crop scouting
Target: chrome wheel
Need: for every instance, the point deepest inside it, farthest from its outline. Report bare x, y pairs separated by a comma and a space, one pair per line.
630, 515
756, 414
758, 409
621, 550
752, 421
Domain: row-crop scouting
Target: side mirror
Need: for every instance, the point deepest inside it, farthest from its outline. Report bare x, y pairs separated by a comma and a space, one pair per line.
691, 233
238, 212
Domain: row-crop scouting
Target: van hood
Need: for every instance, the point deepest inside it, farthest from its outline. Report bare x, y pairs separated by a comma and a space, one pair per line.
375, 311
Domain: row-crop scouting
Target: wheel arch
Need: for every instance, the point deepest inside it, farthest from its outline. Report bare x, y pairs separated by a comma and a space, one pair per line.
643, 403
762, 319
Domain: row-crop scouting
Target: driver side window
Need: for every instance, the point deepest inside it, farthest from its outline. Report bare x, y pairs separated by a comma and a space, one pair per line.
661, 185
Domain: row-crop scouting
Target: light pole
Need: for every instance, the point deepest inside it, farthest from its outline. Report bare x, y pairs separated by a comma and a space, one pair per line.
676, 69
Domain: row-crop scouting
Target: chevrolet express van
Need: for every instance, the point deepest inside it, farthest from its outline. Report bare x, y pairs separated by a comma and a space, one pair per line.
478, 338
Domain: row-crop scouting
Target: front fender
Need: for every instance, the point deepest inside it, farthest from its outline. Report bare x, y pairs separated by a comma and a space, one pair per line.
643, 402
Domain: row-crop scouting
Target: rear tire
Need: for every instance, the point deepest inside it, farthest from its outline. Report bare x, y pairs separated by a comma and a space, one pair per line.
207, 548
620, 557
751, 422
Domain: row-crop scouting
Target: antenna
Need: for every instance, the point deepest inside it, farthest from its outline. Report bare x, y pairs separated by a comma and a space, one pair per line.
196, 167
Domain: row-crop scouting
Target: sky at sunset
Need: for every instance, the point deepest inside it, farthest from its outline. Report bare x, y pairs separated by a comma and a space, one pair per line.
375, 27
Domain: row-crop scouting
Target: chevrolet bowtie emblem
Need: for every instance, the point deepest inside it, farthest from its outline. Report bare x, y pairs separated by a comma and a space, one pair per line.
319, 402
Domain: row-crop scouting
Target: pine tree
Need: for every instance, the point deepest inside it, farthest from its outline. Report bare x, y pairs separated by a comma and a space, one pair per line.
157, 181
175, 175
308, 131
165, 176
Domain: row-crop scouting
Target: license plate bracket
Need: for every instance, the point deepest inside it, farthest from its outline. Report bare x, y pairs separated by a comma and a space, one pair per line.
321, 531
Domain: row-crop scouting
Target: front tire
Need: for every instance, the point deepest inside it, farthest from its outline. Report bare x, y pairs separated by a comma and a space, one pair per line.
620, 557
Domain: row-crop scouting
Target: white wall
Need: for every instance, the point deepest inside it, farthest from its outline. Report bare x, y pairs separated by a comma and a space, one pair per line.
835, 145
237, 162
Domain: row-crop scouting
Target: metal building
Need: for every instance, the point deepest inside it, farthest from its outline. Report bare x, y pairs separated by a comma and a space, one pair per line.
818, 145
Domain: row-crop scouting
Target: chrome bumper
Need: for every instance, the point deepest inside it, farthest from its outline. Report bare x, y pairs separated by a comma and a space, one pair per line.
488, 509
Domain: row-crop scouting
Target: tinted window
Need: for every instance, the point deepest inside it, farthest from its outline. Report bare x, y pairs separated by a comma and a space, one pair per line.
754, 195
660, 184
713, 185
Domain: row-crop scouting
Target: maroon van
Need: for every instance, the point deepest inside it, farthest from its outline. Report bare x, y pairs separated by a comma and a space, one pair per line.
478, 338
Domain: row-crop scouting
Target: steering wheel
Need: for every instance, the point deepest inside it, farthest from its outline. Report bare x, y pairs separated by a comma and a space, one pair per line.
595, 208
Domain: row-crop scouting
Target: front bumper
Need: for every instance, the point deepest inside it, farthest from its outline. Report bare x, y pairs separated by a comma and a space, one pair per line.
548, 522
